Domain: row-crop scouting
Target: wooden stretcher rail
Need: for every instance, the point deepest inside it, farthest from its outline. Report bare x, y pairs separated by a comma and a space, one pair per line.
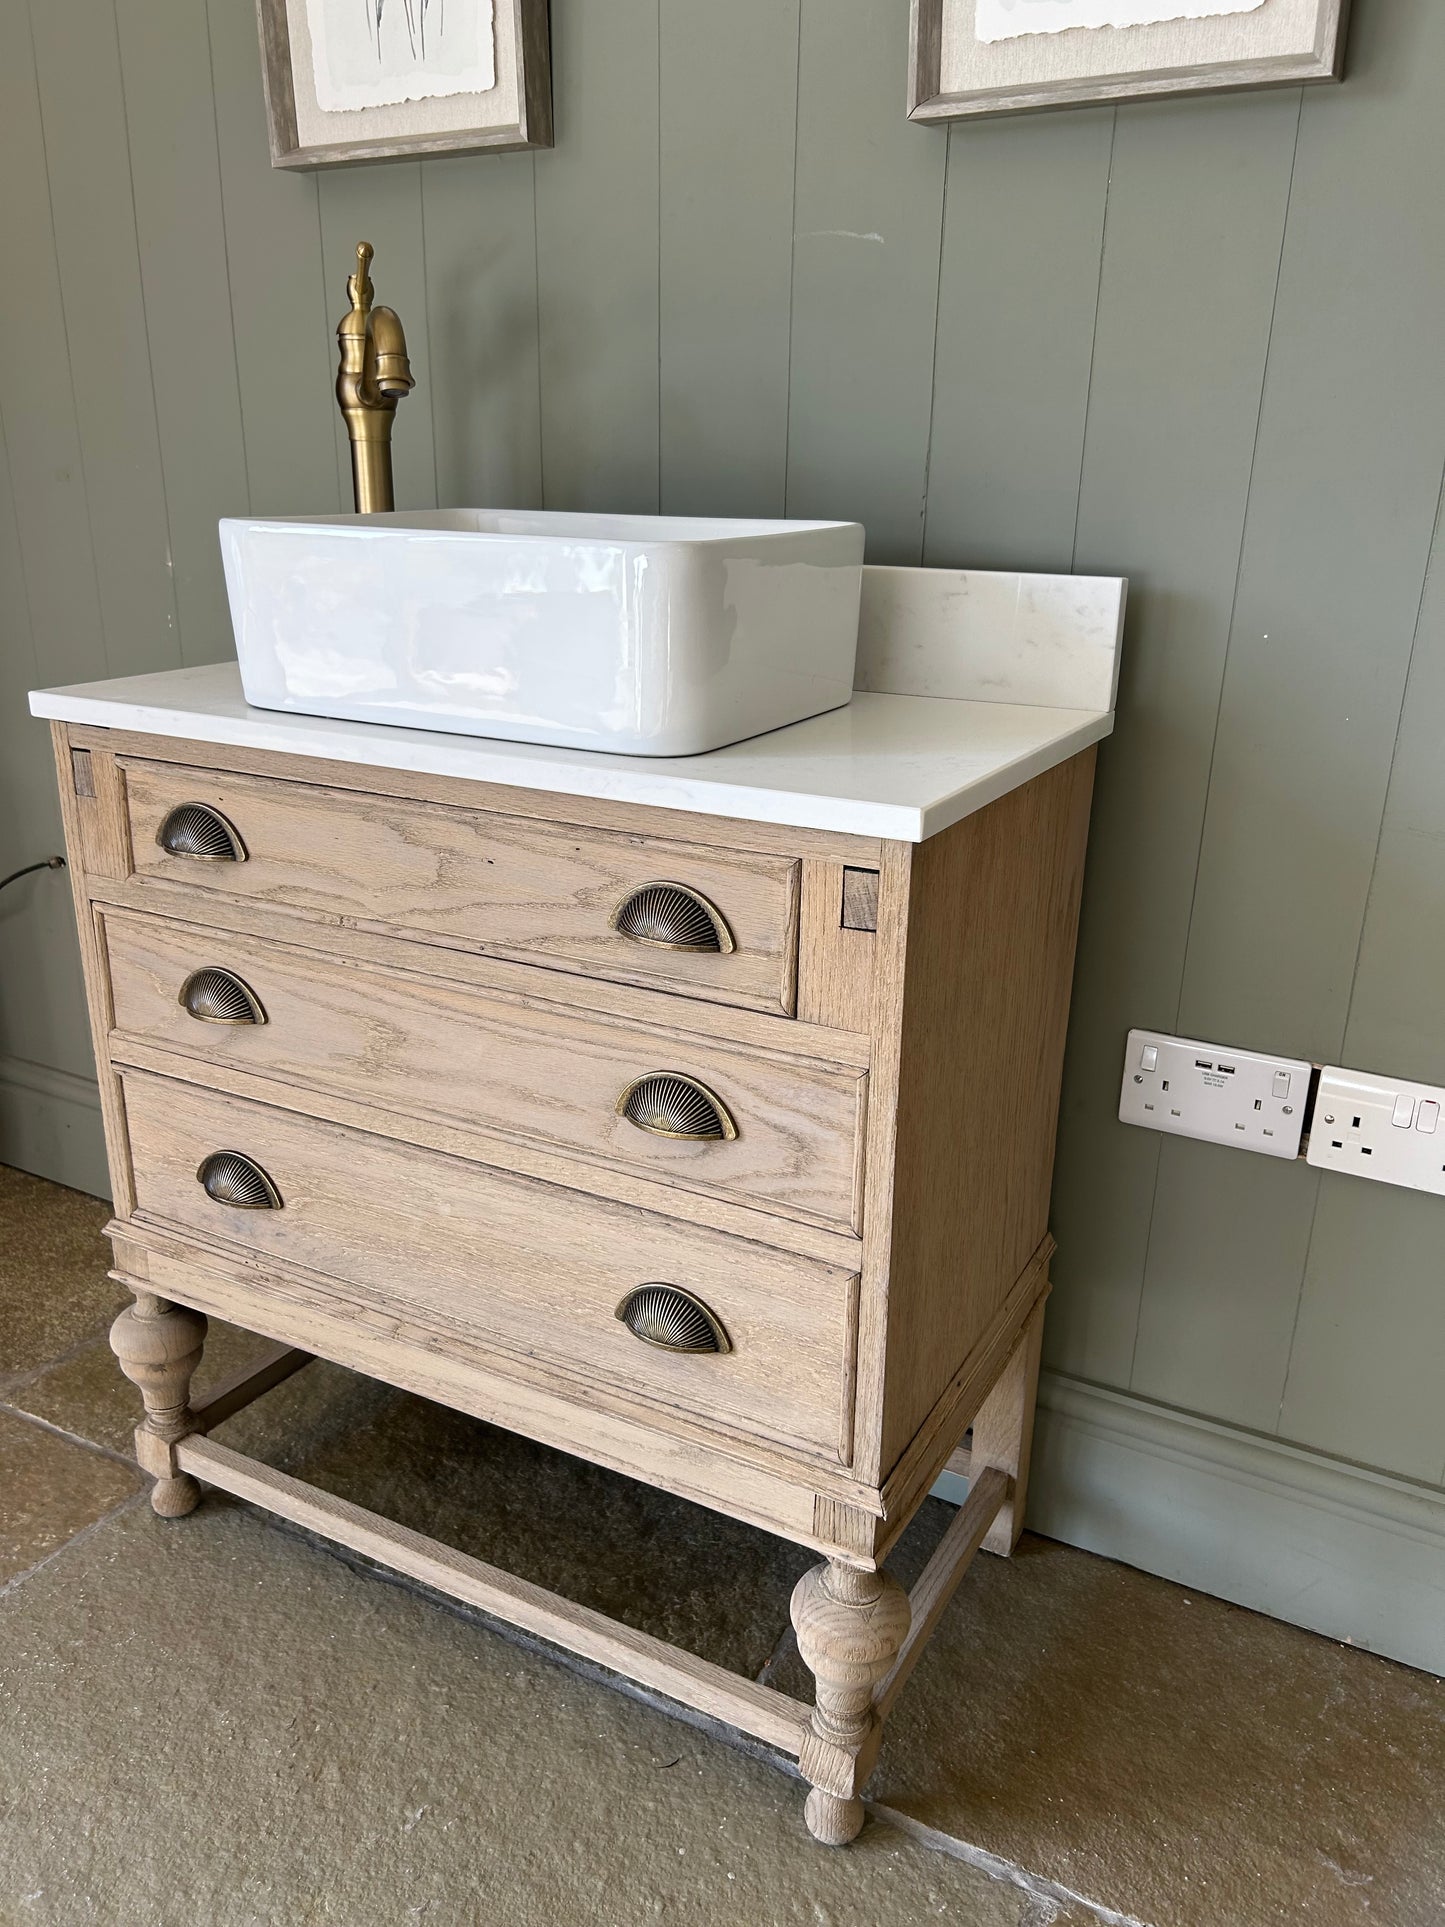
769, 1716
233, 1394
939, 1579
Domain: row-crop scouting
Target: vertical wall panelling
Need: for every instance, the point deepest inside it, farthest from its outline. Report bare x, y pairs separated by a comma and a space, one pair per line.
1227, 1246
1364, 1377
1015, 343
726, 252
481, 299
383, 205
597, 260
1395, 1006
1342, 507
1360, 1380
39, 958
280, 307
51, 511
1197, 207
77, 59
165, 51
868, 223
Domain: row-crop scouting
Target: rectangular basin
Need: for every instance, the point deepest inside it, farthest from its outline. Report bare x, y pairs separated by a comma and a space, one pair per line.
647, 635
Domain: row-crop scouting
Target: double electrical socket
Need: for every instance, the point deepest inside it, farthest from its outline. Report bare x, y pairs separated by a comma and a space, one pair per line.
1381, 1128
1237, 1097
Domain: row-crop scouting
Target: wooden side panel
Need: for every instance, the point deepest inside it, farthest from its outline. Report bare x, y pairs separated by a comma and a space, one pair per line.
994, 908
95, 835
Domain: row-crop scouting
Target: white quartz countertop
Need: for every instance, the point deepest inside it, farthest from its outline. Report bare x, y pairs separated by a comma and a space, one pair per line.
896, 766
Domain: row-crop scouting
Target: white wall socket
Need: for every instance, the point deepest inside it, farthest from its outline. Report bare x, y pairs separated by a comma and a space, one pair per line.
1225, 1096
1381, 1128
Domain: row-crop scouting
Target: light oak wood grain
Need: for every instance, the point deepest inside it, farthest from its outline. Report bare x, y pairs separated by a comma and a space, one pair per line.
835, 963
994, 906
539, 891
527, 1158
530, 1268
749, 1479
1003, 1433
95, 840
459, 1200
940, 1578
495, 1064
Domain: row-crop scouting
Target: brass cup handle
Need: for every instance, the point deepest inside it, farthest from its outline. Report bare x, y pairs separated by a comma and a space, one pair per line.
672, 1319
231, 1178
214, 995
670, 1104
199, 831
674, 917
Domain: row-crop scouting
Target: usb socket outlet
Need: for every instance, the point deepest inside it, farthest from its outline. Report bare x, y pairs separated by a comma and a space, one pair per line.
1380, 1128
1238, 1097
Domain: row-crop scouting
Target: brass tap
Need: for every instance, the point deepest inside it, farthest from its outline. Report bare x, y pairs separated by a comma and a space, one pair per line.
373, 376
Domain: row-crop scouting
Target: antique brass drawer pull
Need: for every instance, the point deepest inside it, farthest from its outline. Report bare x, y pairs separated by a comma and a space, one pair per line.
196, 830
230, 1177
216, 996
667, 1104
672, 916
672, 1319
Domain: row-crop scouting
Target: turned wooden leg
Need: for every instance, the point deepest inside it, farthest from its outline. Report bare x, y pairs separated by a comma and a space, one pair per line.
850, 1625
159, 1347
1003, 1431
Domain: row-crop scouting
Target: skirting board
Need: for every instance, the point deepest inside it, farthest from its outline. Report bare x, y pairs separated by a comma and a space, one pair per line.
50, 1124
1354, 1554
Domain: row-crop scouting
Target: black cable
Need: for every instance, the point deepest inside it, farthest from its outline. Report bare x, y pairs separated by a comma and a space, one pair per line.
46, 863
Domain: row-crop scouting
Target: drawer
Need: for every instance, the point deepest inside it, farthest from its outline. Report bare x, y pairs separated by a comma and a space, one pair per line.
414, 1241
503, 1063
724, 926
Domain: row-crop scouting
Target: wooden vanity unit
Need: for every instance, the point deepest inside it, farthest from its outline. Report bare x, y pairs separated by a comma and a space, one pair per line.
696, 1118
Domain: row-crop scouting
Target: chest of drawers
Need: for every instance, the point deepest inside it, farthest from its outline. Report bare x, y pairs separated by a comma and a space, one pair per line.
716, 1151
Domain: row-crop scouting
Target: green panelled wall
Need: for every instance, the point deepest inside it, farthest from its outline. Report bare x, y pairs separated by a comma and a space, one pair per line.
1200, 343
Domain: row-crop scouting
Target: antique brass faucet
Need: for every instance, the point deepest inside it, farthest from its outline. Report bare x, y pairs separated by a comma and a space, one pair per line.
373, 376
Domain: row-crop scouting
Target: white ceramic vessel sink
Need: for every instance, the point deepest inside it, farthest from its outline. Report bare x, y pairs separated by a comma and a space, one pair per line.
648, 635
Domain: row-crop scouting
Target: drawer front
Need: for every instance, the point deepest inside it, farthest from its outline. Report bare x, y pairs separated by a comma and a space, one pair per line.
479, 1059
419, 1242
545, 893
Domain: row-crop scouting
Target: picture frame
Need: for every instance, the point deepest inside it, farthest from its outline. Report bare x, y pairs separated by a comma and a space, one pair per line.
377, 80
973, 58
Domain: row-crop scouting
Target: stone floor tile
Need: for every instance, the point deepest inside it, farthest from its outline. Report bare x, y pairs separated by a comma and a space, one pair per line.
49, 1491
53, 1285
212, 1720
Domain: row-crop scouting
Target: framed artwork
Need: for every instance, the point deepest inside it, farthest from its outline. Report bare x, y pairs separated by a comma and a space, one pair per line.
970, 57
371, 80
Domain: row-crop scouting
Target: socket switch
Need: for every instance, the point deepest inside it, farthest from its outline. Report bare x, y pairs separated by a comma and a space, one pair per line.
1381, 1128
1237, 1097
